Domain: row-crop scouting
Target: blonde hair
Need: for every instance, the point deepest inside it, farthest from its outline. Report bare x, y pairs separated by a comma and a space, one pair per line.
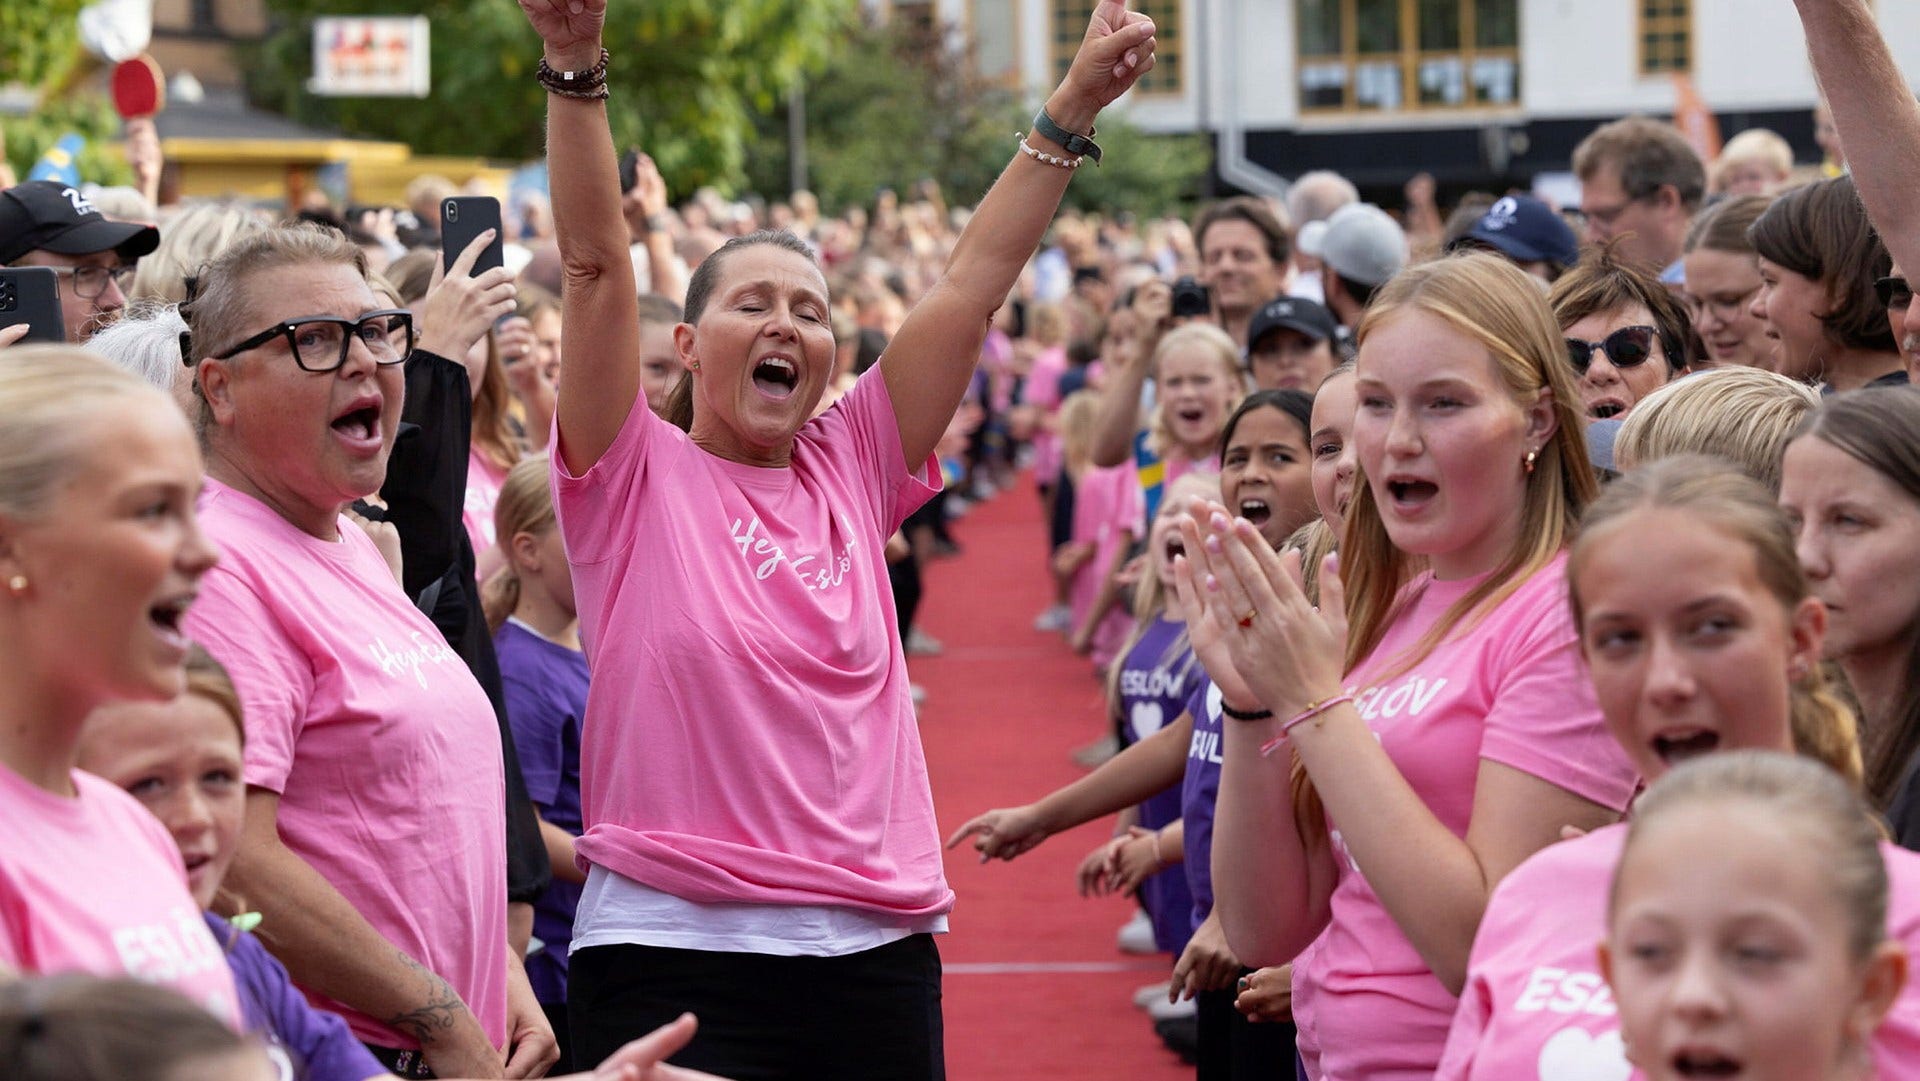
188, 241
525, 506
1799, 795
1150, 596
50, 399
1219, 346
1745, 415
1078, 415
1492, 301
1757, 146
1733, 504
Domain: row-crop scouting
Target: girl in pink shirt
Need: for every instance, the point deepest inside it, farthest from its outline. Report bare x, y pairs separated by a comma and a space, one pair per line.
100, 554
1720, 651
1747, 925
1360, 832
753, 790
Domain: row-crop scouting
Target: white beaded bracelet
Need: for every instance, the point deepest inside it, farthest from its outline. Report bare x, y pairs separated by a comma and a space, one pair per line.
1049, 159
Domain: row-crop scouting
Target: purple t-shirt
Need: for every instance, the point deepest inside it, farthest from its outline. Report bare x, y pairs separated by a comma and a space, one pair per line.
1155, 679
545, 684
1198, 793
302, 1041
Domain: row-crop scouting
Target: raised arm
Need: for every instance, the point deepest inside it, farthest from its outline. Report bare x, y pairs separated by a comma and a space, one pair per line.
600, 307
929, 363
1874, 109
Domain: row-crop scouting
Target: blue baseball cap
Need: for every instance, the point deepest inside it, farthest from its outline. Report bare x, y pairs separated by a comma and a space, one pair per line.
1526, 230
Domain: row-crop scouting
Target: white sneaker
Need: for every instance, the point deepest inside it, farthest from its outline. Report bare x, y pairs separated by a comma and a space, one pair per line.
922, 644
1057, 618
1136, 935
1151, 993
1162, 1010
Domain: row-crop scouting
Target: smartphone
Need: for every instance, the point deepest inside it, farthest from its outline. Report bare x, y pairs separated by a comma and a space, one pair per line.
629, 170
31, 295
463, 217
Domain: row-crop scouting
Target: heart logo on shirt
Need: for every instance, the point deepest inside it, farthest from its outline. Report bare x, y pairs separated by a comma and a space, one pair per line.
1574, 1054
1147, 719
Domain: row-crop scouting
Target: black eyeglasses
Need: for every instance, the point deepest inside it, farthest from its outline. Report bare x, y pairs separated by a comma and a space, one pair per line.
1893, 292
319, 343
89, 282
1628, 347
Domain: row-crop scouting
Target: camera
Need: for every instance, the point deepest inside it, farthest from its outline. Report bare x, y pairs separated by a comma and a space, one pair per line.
1190, 298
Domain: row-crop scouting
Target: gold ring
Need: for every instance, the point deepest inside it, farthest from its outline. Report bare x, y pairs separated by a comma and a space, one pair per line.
1247, 620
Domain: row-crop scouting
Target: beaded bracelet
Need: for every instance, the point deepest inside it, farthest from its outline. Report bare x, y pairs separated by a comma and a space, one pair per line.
589, 84
1314, 709
1048, 159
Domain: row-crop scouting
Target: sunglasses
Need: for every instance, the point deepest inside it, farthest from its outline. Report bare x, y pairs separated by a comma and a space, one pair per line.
1893, 292
1628, 347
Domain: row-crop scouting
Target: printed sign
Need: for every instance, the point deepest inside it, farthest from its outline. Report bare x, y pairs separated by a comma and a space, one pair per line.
370, 56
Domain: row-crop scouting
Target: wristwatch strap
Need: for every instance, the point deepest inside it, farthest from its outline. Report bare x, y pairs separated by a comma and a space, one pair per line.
1077, 145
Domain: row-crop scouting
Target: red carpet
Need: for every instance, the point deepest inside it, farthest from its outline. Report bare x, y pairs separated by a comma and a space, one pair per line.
1034, 987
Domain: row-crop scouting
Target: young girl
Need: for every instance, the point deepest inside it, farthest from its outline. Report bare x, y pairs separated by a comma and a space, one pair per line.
1263, 467
1747, 927
1819, 259
1850, 483
544, 676
182, 760
75, 1027
1107, 515
1467, 743
100, 554
1719, 652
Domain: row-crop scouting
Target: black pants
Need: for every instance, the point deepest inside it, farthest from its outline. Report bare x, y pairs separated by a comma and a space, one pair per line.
873, 1015
1233, 1048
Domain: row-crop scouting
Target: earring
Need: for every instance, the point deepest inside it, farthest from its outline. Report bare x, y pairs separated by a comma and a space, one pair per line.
17, 584
1531, 455
1797, 670
693, 366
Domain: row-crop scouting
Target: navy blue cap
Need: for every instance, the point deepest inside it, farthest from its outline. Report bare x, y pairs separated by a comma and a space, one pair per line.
1526, 230
41, 215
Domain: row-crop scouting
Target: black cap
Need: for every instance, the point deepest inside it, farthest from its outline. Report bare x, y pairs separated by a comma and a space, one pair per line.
1295, 313
42, 215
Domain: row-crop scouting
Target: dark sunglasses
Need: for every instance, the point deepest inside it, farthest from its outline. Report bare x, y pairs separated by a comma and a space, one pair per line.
1893, 292
1628, 347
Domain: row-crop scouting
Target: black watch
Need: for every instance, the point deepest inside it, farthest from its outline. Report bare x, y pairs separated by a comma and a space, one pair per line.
1077, 145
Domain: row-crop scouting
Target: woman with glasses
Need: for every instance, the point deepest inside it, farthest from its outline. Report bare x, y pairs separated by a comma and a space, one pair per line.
1819, 260
1626, 334
374, 844
1723, 274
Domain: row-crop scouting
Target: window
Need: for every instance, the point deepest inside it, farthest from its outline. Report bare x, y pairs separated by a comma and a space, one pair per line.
1070, 18
996, 39
1407, 55
1666, 37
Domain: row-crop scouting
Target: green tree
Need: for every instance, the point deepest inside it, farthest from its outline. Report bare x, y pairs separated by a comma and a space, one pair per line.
25, 138
895, 106
39, 41
40, 50
687, 77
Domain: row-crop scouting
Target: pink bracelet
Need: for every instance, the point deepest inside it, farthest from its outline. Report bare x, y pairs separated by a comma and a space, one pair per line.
1314, 709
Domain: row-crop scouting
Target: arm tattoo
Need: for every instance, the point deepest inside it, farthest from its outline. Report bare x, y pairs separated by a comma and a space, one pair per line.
437, 1014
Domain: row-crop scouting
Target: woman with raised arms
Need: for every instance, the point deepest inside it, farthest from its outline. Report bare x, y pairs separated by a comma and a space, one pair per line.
755, 798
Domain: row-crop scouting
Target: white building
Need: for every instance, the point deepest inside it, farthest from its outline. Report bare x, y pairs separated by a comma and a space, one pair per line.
1474, 91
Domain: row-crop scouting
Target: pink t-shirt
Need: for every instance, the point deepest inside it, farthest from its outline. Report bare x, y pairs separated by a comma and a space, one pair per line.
1536, 1006
483, 494
95, 884
1509, 690
749, 735
1043, 389
1107, 511
380, 742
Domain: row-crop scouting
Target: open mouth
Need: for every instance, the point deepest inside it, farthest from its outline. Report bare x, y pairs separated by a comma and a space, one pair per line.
1677, 747
1704, 1064
361, 422
1191, 415
1603, 410
167, 617
1410, 493
776, 377
1174, 549
1256, 511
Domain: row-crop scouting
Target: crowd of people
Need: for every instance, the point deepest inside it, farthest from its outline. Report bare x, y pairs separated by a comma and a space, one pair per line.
425, 671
